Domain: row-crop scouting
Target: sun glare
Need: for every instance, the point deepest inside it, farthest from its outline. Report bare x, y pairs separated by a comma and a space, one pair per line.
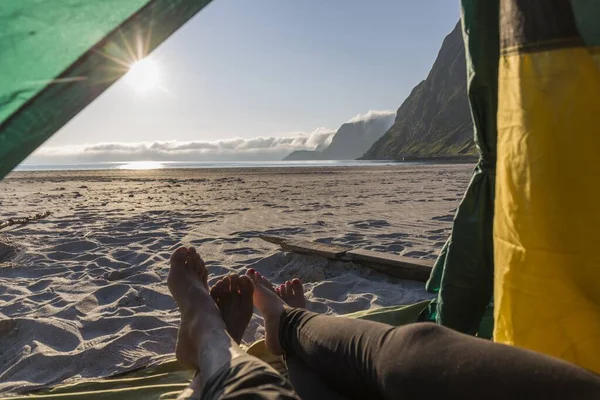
141, 165
143, 76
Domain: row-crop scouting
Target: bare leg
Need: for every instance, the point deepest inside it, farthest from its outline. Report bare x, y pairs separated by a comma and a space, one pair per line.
271, 306
307, 383
204, 341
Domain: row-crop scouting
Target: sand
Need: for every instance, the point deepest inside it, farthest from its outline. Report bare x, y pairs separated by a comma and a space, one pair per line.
83, 293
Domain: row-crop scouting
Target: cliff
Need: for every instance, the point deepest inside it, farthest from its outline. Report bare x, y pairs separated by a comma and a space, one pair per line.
434, 120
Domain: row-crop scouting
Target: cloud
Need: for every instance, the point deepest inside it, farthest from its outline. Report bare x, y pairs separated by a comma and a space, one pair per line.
373, 114
235, 149
262, 148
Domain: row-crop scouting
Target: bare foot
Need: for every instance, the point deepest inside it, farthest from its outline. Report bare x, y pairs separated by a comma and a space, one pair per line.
292, 293
188, 284
270, 306
233, 295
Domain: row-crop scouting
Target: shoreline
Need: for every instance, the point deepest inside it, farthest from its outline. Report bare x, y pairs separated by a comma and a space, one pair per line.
163, 165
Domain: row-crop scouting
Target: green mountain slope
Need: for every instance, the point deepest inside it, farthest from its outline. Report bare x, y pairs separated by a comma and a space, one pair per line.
434, 120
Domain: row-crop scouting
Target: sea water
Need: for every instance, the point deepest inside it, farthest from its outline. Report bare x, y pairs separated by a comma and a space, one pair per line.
207, 164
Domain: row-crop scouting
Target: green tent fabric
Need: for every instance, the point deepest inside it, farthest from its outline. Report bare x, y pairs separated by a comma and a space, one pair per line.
162, 381
463, 274
166, 380
57, 56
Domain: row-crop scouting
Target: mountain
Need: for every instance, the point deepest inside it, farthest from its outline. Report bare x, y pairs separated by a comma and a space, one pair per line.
351, 140
434, 120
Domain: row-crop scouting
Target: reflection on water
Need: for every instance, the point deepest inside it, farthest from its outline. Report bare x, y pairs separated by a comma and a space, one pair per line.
142, 165
148, 165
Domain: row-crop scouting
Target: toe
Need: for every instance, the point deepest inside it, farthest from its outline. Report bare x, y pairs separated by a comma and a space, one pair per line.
198, 264
176, 280
179, 256
283, 290
289, 288
246, 287
226, 288
192, 252
251, 273
235, 283
235, 291
217, 290
297, 287
226, 283
191, 258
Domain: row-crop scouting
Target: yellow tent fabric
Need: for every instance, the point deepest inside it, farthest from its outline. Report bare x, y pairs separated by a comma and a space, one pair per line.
547, 219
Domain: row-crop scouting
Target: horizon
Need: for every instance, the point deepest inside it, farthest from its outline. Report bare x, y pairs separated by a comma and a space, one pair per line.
291, 78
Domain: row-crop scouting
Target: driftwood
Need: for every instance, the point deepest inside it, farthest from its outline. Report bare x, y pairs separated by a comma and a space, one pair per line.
391, 264
24, 220
320, 249
394, 265
273, 239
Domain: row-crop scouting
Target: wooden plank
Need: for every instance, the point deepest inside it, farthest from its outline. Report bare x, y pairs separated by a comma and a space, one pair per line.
394, 265
329, 251
273, 239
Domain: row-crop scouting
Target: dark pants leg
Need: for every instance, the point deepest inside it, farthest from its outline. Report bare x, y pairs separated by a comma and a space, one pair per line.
307, 384
369, 360
247, 377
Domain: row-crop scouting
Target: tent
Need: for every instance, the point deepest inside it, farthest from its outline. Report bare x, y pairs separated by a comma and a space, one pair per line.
524, 234
525, 231
56, 57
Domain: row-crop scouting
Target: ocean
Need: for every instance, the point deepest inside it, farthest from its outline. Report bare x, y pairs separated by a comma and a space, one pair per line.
145, 165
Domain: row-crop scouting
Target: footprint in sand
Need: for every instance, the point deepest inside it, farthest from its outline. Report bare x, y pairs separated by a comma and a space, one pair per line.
370, 223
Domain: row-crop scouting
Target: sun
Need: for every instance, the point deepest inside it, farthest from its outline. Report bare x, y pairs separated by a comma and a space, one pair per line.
143, 76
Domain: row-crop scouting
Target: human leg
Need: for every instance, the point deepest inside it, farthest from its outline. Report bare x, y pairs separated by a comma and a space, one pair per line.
363, 359
225, 371
307, 384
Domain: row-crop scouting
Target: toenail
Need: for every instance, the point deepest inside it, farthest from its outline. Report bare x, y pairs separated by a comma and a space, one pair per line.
258, 274
251, 271
296, 280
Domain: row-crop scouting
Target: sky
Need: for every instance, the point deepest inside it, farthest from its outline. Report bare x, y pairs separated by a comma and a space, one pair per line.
246, 73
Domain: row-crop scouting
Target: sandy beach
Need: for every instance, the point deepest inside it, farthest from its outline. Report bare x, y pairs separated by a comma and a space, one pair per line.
83, 292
